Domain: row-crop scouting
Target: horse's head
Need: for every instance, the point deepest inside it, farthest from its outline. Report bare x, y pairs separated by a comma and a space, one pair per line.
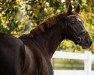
75, 28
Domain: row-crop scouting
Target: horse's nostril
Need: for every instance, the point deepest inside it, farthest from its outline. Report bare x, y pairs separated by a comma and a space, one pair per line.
88, 42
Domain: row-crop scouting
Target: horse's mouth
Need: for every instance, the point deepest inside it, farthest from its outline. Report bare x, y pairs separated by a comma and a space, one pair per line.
86, 44
85, 47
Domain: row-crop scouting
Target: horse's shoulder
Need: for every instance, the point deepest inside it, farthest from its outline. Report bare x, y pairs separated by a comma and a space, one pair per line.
10, 40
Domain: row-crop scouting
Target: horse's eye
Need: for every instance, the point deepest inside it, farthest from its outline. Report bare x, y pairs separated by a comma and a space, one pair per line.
73, 22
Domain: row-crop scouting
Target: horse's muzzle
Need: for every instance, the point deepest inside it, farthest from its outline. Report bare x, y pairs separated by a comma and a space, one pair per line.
86, 43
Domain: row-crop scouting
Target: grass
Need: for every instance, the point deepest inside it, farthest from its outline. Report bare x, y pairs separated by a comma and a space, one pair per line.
68, 64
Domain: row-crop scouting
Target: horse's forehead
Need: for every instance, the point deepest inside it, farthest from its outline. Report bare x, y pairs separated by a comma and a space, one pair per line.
79, 19
76, 16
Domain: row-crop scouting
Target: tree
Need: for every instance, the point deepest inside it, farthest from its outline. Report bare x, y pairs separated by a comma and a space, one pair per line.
19, 16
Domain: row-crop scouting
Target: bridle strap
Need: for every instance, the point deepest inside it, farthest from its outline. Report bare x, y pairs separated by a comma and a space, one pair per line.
82, 32
77, 35
79, 40
69, 16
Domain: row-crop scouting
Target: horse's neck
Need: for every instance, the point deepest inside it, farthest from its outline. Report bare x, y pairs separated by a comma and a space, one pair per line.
54, 37
52, 43
49, 41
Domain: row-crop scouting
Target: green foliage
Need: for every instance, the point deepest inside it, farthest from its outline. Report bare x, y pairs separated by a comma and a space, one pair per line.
18, 16
8, 21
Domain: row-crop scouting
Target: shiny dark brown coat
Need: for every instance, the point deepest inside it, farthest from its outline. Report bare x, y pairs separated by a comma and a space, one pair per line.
31, 54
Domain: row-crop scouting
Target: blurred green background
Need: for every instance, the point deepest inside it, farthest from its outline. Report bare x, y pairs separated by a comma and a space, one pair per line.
20, 16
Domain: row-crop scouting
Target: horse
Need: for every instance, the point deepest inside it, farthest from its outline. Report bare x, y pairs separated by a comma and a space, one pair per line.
31, 53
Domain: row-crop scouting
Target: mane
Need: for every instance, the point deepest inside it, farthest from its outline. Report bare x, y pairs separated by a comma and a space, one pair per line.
46, 25
52, 21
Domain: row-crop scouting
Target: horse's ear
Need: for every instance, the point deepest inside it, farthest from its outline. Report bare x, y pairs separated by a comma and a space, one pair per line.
43, 27
78, 8
69, 9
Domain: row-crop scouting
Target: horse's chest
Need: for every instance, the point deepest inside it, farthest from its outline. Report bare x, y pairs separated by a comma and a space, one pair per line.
46, 67
29, 64
36, 64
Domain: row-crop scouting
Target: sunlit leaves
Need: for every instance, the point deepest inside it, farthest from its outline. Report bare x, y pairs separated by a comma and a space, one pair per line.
19, 16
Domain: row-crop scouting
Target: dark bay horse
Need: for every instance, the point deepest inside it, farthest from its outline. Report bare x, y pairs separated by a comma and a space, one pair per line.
31, 54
